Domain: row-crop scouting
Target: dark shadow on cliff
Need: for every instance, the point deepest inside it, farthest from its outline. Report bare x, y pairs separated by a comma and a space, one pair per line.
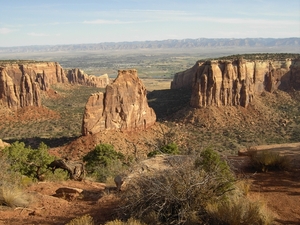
166, 102
50, 142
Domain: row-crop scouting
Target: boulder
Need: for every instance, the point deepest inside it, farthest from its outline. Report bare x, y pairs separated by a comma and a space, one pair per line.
123, 106
68, 193
3, 144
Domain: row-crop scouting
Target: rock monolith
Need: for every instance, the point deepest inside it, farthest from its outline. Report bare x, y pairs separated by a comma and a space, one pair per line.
123, 106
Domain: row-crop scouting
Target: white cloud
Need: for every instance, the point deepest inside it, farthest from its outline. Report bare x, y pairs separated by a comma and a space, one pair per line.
5, 30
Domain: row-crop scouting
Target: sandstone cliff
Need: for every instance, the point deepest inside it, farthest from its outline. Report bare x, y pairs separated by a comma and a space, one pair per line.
235, 82
77, 76
21, 82
123, 106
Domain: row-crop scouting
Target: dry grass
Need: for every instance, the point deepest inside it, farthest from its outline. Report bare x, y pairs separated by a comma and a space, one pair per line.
131, 221
13, 197
83, 220
173, 196
239, 210
243, 186
266, 161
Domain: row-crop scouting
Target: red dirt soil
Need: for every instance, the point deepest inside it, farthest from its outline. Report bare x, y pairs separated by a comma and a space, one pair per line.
280, 191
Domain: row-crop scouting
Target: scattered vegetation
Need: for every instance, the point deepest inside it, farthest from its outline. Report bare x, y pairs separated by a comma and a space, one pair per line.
11, 185
171, 149
13, 197
130, 221
165, 143
269, 161
262, 56
238, 210
103, 162
17, 61
211, 162
178, 195
68, 106
190, 193
83, 220
29, 162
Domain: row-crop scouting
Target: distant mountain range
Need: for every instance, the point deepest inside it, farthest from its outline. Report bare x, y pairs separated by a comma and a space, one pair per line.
176, 44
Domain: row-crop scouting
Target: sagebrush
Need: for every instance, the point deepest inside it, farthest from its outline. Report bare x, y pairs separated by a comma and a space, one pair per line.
178, 195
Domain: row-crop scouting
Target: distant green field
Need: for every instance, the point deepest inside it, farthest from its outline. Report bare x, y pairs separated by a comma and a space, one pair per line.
150, 63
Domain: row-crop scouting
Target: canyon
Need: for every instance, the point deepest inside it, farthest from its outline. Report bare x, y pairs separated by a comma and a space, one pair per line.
22, 82
222, 116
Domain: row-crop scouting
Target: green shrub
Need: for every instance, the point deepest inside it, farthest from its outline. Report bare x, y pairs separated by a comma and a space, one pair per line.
58, 175
17, 154
171, 149
265, 161
101, 173
8, 176
211, 162
83, 220
29, 162
103, 161
103, 154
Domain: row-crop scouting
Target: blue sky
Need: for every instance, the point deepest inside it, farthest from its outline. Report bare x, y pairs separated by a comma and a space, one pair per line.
43, 22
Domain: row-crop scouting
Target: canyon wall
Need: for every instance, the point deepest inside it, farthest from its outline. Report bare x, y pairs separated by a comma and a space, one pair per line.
123, 106
77, 76
22, 82
235, 82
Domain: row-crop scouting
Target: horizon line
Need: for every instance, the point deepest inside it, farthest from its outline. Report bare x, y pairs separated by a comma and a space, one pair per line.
120, 42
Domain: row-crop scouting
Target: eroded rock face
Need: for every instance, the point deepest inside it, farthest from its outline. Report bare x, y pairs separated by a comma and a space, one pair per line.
77, 76
22, 83
185, 78
123, 106
236, 82
8, 90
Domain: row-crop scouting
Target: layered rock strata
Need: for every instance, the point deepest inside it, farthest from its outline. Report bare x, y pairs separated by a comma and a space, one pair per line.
77, 76
123, 106
236, 82
21, 83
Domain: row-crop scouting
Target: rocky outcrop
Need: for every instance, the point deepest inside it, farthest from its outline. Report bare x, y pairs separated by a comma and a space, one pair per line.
185, 78
3, 144
22, 82
77, 76
123, 106
235, 82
